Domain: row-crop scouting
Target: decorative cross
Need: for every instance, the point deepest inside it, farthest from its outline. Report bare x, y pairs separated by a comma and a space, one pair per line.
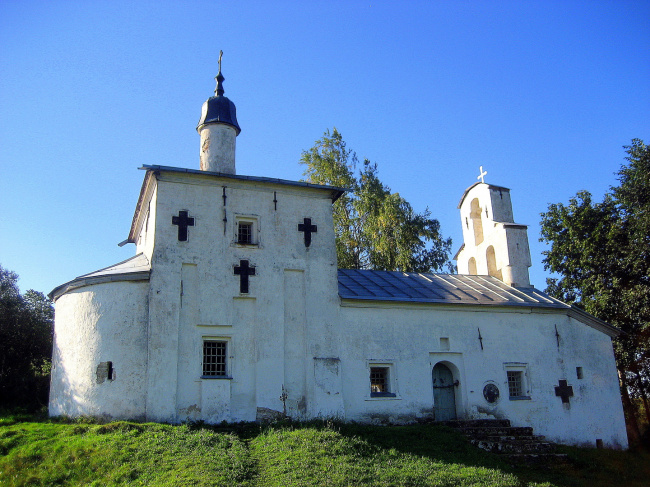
183, 221
308, 228
483, 173
564, 391
243, 270
220, 56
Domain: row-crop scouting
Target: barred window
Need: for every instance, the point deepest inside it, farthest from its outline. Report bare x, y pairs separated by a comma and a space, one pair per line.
214, 358
379, 380
245, 233
515, 383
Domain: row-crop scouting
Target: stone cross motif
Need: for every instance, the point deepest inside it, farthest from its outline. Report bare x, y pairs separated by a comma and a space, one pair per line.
183, 221
307, 228
564, 391
243, 270
482, 175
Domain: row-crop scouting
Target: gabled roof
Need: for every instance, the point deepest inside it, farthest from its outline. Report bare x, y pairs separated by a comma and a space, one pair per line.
491, 186
136, 268
453, 289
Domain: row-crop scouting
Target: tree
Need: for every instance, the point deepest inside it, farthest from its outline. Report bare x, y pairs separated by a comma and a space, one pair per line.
25, 344
375, 229
601, 251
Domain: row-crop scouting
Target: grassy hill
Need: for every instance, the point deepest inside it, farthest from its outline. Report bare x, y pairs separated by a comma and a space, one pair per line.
48, 453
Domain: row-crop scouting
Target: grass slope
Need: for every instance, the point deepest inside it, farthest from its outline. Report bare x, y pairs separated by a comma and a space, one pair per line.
285, 454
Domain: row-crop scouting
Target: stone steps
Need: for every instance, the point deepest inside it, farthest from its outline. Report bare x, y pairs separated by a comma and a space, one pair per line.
517, 443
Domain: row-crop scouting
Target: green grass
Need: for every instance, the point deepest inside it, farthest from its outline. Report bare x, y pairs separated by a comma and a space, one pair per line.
44, 452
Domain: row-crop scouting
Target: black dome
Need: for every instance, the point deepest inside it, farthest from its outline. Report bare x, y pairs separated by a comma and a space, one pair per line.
219, 108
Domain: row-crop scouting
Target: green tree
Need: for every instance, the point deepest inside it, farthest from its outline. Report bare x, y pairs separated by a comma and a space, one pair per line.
375, 229
601, 252
25, 344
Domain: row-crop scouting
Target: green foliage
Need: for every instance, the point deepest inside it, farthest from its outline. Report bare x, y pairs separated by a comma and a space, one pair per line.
601, 252
375, 229
25, 344
286, 453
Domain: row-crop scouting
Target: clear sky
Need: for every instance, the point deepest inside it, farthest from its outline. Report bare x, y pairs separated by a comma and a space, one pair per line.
542, 94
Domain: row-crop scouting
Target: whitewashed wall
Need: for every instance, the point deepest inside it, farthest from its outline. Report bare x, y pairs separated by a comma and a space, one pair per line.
94, 324
409, 337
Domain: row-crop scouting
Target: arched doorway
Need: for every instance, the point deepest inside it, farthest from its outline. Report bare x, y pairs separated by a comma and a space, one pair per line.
444, 393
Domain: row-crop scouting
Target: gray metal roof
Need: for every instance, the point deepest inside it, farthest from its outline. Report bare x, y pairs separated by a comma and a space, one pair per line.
336, 192
136, 268
438, 288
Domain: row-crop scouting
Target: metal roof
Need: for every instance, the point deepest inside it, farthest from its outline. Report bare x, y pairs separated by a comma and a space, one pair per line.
136, 268
438, 288
336, 191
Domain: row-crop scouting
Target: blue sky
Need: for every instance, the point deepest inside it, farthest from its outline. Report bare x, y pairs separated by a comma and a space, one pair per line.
543, 95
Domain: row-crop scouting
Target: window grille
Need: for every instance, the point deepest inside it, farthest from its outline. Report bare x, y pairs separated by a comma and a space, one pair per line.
245, 233
515, 383
214, 358
379, 380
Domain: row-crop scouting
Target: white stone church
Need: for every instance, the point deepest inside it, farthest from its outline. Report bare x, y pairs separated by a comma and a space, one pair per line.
233, 309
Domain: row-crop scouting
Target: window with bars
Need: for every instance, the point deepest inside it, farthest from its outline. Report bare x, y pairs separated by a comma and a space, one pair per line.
380, 382
515, 383
214, 358
245, 233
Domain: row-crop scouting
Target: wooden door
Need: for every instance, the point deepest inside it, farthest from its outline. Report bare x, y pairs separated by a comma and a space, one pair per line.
444, 393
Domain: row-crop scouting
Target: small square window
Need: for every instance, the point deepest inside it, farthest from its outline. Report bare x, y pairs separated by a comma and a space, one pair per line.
515, 383
379, 379
381, 382
246, 230
245, 233
214, 358
518, 380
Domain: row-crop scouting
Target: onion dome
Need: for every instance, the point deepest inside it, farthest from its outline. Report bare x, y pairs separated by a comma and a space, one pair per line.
218, 108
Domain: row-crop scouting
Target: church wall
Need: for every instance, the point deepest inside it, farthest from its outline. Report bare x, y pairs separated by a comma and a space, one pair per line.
412, 339
100, 351
145, 240
195, 295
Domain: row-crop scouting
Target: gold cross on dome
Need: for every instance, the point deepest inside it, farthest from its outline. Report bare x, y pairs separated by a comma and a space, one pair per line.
482, 175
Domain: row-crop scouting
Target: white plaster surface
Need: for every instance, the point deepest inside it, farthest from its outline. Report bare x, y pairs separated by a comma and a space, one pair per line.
293, 333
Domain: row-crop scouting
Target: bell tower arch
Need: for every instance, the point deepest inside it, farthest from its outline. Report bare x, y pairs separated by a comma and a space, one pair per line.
494, 244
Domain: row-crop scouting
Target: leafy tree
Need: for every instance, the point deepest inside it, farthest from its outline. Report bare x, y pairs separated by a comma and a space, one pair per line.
375, 229
25, 343
601, 251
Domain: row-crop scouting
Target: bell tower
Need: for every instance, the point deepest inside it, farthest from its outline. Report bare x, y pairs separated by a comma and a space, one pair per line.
218, 129
493, 243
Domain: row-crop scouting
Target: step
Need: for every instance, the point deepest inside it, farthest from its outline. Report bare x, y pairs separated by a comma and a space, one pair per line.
537, 458
474, 423
498, 431
513, 446
519, 438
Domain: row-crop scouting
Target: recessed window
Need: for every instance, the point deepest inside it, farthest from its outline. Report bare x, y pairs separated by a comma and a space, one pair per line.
444, 343
579, 373
245, 233
515, 383
518, 381
246, 230
214, 358
381, 382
